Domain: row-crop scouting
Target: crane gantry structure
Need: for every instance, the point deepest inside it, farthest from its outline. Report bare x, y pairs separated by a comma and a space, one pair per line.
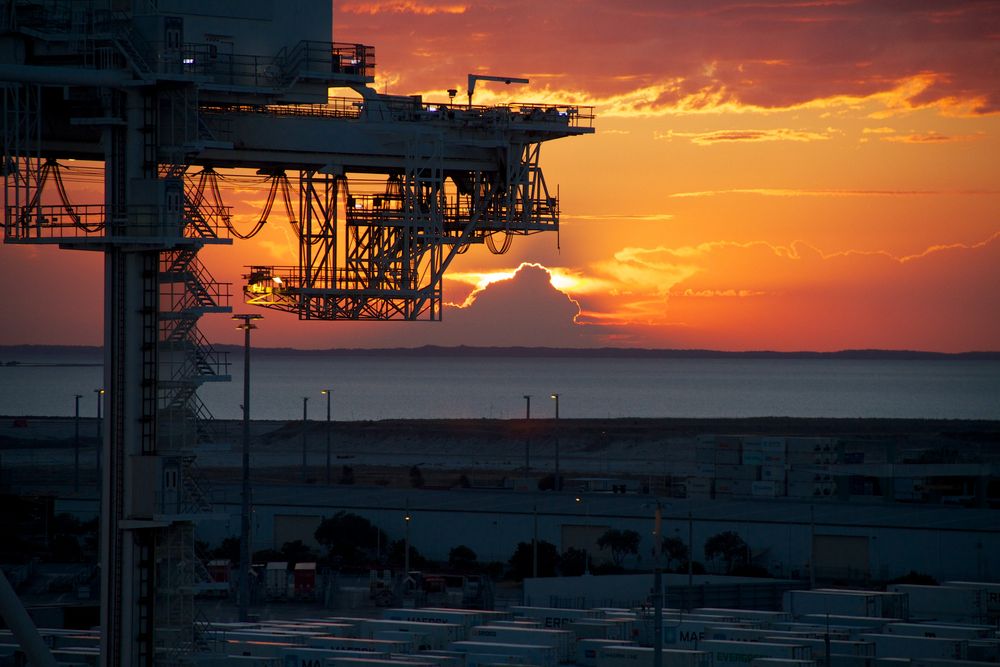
382, 190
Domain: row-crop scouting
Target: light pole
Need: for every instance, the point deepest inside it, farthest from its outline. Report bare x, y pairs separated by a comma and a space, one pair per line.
246, 323
76, 444
100, 437
658, 587
527, 436
534, 544
406, 545
586, 548
305, 416
557, 481
327, 393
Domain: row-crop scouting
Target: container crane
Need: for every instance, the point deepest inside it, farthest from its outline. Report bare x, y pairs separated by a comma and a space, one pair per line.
167, 94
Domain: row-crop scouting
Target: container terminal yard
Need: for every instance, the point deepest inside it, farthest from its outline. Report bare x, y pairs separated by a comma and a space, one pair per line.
804, 549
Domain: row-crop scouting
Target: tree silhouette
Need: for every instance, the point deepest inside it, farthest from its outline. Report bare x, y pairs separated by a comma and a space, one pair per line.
676, 552
349, 538
620, 542
728, 546
573, 562
462, 559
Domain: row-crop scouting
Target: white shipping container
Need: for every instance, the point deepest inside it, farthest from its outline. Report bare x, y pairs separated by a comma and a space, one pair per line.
337, 661
752, 458
935, 630
446, 658
743, 614
781, 662
355, 644
276, 580
943, 603
772, 473
837, 646
902, 646
562, 640
841, 603
554, 618
990, 592
870, 623
764, 489
642, 656
740, 653
436, 635
532, 654
599, 628
772, 445
586, 650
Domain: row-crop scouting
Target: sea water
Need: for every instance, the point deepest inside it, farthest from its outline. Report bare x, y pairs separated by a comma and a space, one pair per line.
369, 387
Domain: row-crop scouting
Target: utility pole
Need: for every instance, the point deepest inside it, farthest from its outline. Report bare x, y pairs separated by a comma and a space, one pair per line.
690, 552
244, 594
658, 588
557, 482
76, 444
534, 544
406, 543
527, 435
305, 437
327, 393
100, 437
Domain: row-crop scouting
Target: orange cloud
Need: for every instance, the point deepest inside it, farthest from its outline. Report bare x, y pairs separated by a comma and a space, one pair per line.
762, 296
730, 136
931, 138
399, 7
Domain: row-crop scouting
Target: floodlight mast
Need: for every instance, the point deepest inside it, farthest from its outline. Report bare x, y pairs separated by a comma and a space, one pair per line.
473, 78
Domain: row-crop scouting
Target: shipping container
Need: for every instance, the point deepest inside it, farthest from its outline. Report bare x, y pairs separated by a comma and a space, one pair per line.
781, 662
642, 656
601, 628
768, 489
939, 630
304, 581
276, 580
553, 618
902, 646
990, 592
739, 653
336, 661
837, 646
532, 654
944, 603
433, 635
869, 623
727, 615
354, 644
562, 640
439, 658
586, 650
801, 603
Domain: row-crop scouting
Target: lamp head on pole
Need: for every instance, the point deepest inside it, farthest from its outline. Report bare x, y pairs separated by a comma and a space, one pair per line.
246, 320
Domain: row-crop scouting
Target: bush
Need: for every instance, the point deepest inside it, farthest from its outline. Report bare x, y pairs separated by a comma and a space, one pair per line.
462, 559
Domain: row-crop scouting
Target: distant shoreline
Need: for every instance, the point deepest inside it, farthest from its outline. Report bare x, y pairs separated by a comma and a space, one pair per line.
9, 353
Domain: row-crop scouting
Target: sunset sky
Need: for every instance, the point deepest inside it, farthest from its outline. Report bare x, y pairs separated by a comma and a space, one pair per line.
814, 175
